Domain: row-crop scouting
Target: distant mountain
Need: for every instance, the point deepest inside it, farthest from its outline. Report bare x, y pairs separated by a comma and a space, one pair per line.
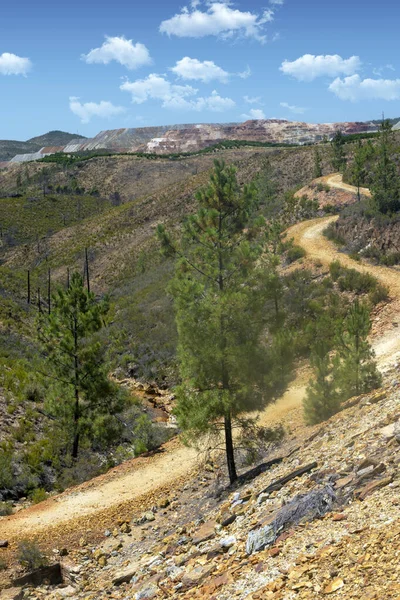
55, 138
179, 138
9, 148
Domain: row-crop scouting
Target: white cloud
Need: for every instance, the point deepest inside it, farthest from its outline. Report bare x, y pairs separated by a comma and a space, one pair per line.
90, 109
156, 87
298, 110
254, 114
277, 2
218, 19
354, 88
379, 70
309, 67
252, 99
11, 64
177, 97
245, 74
206, 71
122, 51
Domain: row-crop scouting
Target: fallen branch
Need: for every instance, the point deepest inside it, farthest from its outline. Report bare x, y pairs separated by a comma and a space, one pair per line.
277, 485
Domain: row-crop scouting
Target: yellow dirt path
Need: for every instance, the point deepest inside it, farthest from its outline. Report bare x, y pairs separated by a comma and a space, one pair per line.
136, 479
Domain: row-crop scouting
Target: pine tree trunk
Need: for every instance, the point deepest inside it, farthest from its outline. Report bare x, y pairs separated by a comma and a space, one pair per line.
230, 455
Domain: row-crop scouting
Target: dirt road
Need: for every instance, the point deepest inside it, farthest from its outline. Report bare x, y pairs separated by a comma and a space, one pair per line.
135, 480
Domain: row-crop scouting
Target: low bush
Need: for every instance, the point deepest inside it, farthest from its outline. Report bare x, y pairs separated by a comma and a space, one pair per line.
354, 281
332, 235
38, 495
5, 509
30, 555
295, 253
380, 294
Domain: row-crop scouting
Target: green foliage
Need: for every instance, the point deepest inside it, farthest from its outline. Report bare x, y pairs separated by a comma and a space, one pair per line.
322, 399
295, 253
85, 399
317, 164
386, 182
80, 157
338, 151
30, 555
331, 234
38, 495
225, 366
5, 509
356, 372
6, 467
343, 368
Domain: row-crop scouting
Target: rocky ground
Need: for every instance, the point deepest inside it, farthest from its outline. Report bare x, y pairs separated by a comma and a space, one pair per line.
210, 542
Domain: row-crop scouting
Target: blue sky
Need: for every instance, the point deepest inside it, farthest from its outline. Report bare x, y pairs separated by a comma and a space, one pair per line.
91, 65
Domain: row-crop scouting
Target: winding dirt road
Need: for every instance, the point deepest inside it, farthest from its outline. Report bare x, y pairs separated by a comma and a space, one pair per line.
133, 483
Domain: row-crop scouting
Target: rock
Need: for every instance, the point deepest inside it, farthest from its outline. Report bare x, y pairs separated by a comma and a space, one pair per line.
63, 552
3, 543
126, 574
370, 488
52, 574
228, 542
12, 594
390, 431
194, 577
205, 533
67, 592
228, 520
149, 516
333, 586
338, 517
125, 528
107, 533
262, 498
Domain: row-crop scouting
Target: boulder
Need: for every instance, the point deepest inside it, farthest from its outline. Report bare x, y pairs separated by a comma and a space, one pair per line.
51, 574
126, 574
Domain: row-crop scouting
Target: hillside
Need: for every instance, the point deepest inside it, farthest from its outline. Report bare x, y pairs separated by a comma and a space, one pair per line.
172, 139
9, 148
182, 533
161, 525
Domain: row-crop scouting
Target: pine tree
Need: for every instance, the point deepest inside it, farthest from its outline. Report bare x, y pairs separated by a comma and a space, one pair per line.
84, 395
358, 168
317, 164
226, 367
386, 182
356, 372
322, 398
338, 151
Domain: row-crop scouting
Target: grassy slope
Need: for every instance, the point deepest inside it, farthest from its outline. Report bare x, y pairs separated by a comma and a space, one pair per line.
124, 258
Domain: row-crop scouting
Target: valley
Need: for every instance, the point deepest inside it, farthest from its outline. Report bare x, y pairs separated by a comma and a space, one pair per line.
155, 524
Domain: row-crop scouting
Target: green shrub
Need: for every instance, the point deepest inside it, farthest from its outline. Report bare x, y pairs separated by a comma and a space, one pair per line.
332, 235
38, 495
355, 256
5, 509
335, 270
295, 253
380, 294
6, 469
354, 281
30, 556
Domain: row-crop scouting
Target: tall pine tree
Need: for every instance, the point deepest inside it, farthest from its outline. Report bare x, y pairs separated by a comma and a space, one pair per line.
84, 397
386, 181
357, 372
227, 369
338, 151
